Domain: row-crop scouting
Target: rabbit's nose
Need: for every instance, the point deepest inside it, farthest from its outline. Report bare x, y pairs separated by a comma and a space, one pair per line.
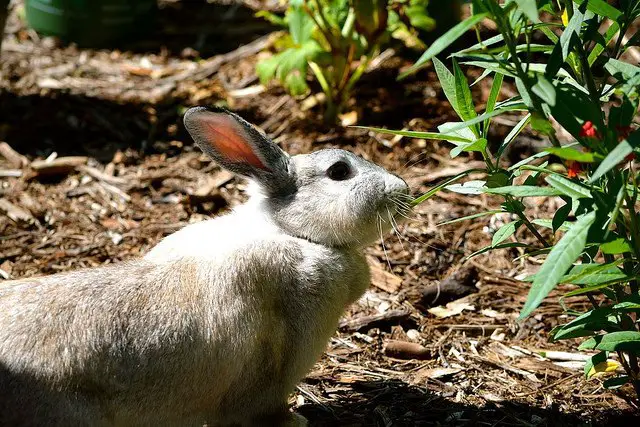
395, 184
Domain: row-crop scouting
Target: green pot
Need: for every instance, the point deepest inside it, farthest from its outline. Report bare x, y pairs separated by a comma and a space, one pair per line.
92, 22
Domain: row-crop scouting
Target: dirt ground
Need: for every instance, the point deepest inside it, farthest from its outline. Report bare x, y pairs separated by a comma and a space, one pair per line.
122, 173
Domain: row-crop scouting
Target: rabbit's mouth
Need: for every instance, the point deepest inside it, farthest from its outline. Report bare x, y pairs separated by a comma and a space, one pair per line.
399, 205
393, 211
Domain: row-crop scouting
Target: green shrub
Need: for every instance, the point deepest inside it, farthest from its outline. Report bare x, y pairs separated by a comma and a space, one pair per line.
337, 39
576, 77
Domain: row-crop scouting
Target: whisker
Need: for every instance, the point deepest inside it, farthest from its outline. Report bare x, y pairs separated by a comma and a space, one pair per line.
415, 159
384, 248
394, 227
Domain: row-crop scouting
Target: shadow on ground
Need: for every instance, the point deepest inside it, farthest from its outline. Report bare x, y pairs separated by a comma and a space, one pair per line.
395, 403
77, 125
208, 28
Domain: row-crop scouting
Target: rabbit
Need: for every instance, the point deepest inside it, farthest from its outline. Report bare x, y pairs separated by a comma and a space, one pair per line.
219, 321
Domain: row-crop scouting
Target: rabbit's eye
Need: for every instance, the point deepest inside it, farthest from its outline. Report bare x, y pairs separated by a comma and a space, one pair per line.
339, 171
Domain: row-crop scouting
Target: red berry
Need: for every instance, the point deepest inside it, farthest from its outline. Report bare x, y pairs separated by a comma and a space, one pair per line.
588, 131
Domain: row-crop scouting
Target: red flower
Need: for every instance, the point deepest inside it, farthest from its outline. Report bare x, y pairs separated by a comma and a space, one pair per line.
573, 168
588, 131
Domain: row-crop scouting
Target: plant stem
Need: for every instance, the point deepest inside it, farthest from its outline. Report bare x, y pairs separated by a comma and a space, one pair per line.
529, 225
631, 368
322, 26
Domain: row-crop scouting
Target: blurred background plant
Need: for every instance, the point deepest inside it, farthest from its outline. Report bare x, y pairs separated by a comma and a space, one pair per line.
565, 58
337, 39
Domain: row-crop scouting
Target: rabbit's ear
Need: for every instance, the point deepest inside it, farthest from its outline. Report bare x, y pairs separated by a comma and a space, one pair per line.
237, 146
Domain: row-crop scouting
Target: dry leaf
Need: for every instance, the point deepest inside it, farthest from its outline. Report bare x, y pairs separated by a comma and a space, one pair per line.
451, 309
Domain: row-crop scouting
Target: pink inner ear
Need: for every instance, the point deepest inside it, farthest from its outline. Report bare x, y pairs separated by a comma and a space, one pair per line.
230, 140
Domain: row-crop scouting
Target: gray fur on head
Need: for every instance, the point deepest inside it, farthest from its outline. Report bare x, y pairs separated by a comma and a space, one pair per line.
220, 320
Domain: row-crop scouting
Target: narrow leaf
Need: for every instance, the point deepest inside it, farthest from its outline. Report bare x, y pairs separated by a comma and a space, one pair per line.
568, 187
469, 187
545, 91
623, 340
617, 155
447, 81
417, 134
466, 109
513, 133
567, 153
561, 257
505, 232
444, 41
617, 246
493, 97
468, 217
524, 191
601, 7
530, 9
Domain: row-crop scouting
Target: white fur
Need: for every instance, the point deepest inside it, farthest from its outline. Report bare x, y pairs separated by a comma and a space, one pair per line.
217, 323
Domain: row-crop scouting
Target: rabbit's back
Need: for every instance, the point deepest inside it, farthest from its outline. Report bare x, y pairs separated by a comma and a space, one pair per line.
195, 338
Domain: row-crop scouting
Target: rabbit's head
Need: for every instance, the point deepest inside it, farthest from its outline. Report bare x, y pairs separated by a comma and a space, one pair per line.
331, 197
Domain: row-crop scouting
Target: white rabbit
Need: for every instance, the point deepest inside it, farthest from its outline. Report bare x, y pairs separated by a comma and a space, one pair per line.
220, 320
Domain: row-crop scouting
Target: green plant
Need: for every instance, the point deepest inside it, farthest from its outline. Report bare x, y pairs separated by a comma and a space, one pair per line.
574, 76
337, 39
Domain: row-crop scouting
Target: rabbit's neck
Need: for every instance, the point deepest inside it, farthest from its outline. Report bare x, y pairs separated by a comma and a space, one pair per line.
216, 237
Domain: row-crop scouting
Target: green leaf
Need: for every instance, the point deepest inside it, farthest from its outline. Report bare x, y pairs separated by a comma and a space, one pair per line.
469, 187
584, 325
568, 187
444, 41
571, 33
417, 134
448, 83
524, 93
490, 66
482, 117
625, 69
548, 223
493, 97
545, 91
513, 133
593, 288
594, 360
478, 145
524, 191
593, 274
559, 260
530, 9
567, 153
271, 17
439, 187
590, 344
602, 8
300, 24
266, 69
617, 246
616, 382
505, 232
573, 107
498, 178
599, 47
617, 155
623, 340
464, 100
500, 246
468, 217
560, 217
